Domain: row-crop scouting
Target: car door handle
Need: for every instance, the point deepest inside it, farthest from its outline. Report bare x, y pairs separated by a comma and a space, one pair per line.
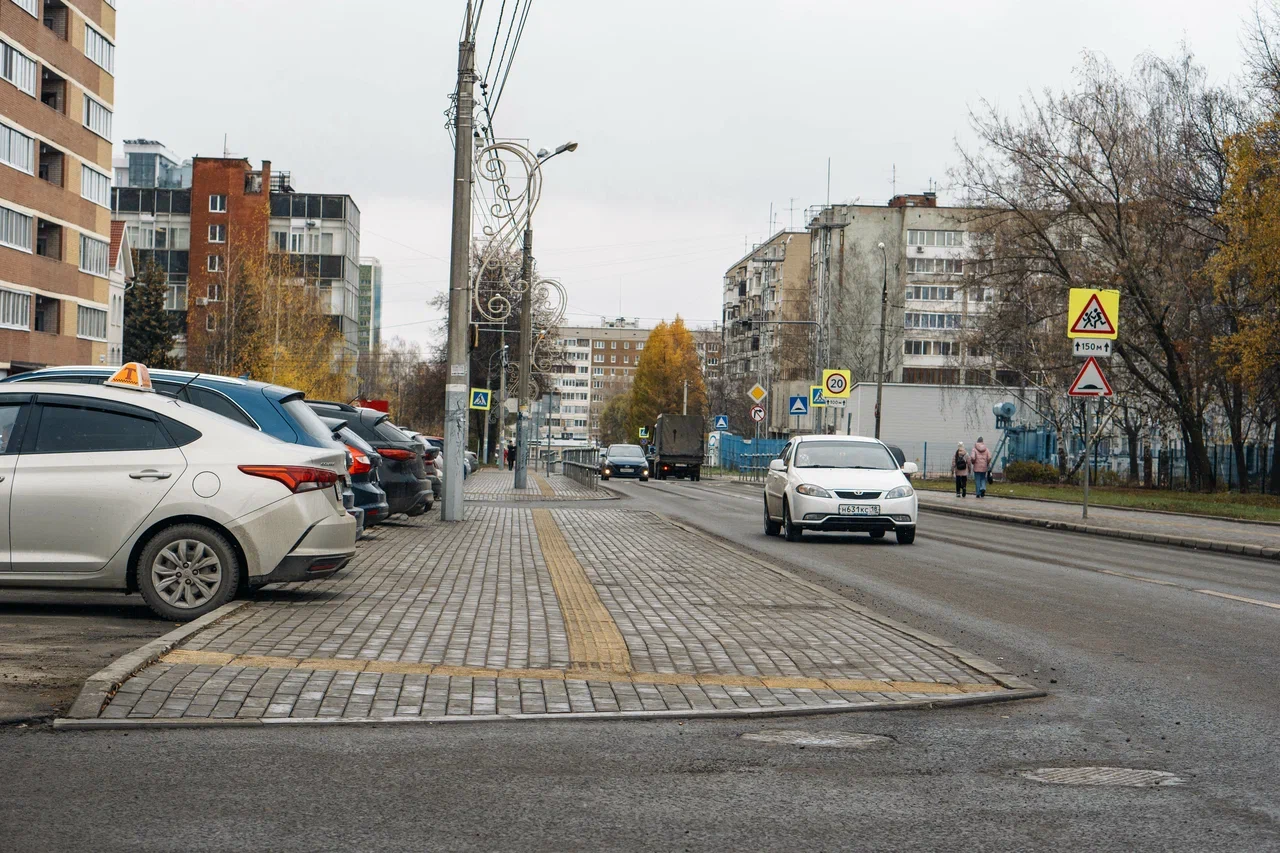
150, 474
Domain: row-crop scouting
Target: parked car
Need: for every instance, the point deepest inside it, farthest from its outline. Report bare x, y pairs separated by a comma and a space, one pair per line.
119, 488
472, 461
624, 460
435, 460
841, 483
402, 474
273, 409
365, 461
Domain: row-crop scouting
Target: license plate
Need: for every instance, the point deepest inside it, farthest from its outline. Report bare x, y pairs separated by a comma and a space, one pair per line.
626, 470
859, 509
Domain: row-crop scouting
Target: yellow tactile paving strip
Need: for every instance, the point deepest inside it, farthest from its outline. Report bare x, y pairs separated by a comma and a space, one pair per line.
199, 658
595, 643
547, 491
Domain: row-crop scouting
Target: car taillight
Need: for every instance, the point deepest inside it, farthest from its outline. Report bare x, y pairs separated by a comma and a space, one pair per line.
295, 478
397, 454
359, 461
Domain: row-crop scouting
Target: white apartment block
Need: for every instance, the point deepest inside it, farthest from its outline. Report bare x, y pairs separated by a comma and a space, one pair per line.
599, 363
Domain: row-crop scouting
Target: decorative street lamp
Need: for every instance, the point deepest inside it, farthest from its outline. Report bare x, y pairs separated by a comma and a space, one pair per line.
884, 304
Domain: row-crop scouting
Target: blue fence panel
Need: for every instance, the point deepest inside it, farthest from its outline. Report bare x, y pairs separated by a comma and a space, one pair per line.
736, 450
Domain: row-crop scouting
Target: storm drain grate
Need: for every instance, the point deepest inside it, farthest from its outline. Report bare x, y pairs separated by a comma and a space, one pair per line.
831, 740
1128, 777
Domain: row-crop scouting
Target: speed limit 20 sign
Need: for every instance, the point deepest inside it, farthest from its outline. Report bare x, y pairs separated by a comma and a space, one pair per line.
835, 383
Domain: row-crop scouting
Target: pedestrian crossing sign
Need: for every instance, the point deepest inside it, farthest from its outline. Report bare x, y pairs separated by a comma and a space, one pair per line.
480, 398
816, 398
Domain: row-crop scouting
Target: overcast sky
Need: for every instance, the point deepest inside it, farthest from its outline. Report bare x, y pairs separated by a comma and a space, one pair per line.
693, 116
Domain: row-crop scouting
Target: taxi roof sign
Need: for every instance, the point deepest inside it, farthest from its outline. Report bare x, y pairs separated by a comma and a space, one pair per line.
133, 375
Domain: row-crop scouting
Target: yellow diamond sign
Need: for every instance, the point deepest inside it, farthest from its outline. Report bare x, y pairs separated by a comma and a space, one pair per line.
757, 393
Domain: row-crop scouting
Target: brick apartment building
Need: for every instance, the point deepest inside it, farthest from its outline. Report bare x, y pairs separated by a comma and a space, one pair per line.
231, 212
56, 99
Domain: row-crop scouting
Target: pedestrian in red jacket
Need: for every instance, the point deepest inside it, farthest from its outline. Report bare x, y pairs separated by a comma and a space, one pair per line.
980, 462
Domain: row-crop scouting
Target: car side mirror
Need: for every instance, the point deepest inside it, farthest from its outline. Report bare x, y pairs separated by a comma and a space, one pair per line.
910, 468
777, 465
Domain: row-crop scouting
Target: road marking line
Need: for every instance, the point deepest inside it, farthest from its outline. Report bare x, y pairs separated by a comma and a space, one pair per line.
1139, 578
595, 643
1273, 605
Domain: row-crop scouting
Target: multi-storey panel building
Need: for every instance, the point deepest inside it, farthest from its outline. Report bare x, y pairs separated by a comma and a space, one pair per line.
229, 210
597, 364
57, 93
370, 310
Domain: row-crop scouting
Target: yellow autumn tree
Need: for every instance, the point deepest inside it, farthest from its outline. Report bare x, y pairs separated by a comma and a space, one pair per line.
1245, 271
669, 360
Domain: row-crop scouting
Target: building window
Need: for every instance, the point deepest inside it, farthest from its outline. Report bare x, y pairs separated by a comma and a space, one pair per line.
215, 293
597, 371
613, 359
175, 298
15, 309
18, 68
55, 18
91, 323
46, 315
217, 233
176, 237
930, 348
93, 255
639, 345
915, 320
50, 167
626, 344
934, 238
599, 359
48, 239
53, 93
17, 149
217, 204
210, 322
613, 344
280, 241
923, 292
15, 229
99, 49
32, 7
935, 266
214, 263
626, 359
599, 344
97, 118
95, 186
142, 236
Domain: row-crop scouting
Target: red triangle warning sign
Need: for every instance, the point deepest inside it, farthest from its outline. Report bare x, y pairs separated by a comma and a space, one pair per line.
1090, 382
1093, 320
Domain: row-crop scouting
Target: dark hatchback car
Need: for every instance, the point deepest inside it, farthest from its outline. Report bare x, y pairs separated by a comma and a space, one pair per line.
624, 460
402, 474
365, 479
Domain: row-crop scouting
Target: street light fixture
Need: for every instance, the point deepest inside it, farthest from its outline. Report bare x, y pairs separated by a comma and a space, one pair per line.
884, 304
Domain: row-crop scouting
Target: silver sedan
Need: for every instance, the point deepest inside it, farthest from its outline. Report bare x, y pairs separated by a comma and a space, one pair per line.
114, 488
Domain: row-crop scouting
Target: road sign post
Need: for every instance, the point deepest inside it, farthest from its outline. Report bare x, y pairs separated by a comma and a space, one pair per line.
1093, 322
721, 422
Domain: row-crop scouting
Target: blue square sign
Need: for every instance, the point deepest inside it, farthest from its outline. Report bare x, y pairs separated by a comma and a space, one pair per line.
722, 422
799, 406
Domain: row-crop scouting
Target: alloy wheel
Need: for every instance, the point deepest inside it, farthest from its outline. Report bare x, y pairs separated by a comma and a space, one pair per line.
186, 573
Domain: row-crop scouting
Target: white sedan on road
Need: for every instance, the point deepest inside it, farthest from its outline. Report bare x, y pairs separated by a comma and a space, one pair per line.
123, 488
838, 483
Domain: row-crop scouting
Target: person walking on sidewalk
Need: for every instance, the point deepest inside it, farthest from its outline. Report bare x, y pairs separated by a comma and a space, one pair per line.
980, 462
511, 457
960, 468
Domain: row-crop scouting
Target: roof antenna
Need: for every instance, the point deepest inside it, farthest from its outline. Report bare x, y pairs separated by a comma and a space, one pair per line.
224, 146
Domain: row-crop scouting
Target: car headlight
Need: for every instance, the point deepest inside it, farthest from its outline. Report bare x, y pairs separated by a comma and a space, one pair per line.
813, 491
900, 492
607, 470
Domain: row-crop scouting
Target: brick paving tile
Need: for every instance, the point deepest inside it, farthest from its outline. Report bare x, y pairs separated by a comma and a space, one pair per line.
435, 619
492, 485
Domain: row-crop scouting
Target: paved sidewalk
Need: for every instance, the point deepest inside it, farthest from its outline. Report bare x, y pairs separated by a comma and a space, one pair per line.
1209, 534
494, 485
521, 611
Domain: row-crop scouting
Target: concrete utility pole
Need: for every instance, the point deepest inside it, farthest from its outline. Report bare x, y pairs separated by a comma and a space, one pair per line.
455, 391
686, 396
526, 360
884, 304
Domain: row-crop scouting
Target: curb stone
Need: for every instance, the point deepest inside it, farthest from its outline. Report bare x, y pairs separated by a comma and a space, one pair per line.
94, 724
1260, 551
103, 684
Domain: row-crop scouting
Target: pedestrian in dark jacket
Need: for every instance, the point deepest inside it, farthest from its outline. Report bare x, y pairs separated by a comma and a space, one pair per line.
511, 457
960, 468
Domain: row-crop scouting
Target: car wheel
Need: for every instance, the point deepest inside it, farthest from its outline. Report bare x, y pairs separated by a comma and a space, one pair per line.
771, 527
418, 510
906, 535
789, 530
187, 571
877, 534
604, 476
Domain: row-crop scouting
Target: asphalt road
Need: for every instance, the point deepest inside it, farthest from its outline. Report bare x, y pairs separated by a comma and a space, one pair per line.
1142, 672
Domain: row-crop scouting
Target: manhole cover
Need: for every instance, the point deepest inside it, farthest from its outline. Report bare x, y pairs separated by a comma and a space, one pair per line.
1123, 776
832, 740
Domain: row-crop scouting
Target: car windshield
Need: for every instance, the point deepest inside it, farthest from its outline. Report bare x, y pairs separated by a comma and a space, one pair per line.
844, 454
306, 418
625, 450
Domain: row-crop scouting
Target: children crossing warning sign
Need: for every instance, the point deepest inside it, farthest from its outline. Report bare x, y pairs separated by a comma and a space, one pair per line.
1090, 382
1093, 313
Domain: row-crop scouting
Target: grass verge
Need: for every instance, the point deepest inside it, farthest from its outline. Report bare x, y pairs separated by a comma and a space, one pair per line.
1226, 504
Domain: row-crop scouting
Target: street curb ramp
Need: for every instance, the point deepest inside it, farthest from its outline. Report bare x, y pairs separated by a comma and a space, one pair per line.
98, 691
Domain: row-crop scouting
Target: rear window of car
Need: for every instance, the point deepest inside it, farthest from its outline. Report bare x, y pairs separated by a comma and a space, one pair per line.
215, 402
386, 432
306, 418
